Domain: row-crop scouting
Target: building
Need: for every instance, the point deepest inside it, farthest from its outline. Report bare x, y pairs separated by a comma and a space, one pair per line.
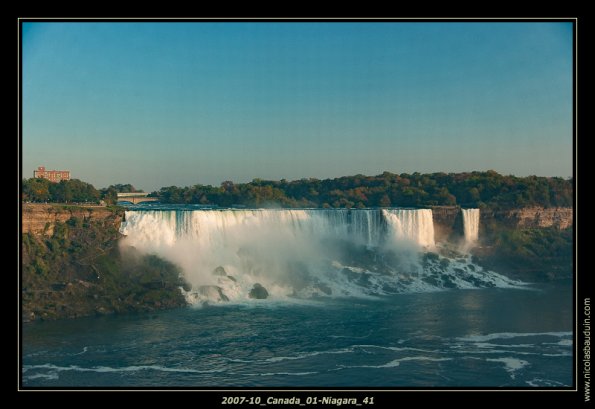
51, 175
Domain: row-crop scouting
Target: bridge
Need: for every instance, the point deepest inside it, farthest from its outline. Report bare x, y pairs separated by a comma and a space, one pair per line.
135, 198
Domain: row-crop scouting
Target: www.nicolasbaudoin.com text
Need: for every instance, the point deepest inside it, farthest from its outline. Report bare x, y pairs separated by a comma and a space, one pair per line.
587, 348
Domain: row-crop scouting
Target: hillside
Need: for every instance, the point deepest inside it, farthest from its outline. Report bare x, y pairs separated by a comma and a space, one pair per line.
73, 266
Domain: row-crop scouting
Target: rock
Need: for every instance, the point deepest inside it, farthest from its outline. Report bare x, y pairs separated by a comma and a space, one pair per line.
258, 292
212, 292
324, 288
100, 311
219, 271
40, 219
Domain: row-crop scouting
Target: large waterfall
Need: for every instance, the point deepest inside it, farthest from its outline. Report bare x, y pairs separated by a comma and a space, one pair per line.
222, 228
226, 254
411, 225
471, 225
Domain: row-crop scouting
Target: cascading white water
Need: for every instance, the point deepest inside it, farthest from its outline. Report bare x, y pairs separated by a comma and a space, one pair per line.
471, 225
151, 230
301, 253
412, 225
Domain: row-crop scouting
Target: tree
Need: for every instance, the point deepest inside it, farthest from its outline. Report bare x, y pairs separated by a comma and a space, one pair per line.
385, 201
36, 190
109, 195
490, 189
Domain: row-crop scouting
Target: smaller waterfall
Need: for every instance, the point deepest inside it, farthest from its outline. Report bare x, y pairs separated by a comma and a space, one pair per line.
471, 225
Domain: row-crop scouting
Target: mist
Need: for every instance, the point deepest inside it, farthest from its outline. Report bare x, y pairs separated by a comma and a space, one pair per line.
300, 253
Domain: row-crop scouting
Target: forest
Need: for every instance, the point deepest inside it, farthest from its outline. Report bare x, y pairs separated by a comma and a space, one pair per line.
38, 190
468, 189
474, 189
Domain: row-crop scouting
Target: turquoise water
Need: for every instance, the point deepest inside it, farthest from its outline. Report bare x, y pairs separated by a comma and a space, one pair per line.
492, 337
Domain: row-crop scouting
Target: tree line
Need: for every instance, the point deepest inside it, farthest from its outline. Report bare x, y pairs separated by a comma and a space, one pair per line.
469, 189
39, 190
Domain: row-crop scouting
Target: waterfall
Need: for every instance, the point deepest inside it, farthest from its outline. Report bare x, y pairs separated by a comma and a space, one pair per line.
156, 228
412, 225
471, 225
225, 253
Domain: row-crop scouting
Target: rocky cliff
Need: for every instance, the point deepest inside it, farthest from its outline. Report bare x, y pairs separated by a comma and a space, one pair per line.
531, 217
448, 220
40, 219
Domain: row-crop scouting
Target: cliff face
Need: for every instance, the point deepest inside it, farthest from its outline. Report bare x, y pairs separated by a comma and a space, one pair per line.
532, 217
448, 220
40, 219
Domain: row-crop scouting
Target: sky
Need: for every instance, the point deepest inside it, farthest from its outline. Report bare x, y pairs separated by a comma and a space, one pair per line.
160, 104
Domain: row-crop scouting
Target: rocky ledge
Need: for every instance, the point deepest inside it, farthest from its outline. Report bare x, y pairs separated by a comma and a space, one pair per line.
40, 219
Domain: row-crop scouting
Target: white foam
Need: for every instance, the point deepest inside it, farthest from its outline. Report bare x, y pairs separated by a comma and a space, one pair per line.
351, 336
285, 374
539, 382
308, 354
51, 376
85, 349
397, 362
103, 369
490, 345
509, 335
511, 365
564, 343
398, 349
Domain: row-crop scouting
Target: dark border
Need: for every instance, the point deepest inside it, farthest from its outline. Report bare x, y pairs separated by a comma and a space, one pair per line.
382, 395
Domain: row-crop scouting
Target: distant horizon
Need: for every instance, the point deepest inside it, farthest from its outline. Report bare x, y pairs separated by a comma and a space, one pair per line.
159, 104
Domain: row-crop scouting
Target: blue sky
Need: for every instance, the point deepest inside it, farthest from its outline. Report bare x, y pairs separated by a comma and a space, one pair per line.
159, 104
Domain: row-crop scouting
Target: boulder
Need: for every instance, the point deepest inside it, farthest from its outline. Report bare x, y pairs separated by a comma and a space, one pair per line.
219, 271
258, 292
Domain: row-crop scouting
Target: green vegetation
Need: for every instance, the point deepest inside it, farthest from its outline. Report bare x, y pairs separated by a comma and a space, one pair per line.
528, 254
66, 191
40, 190
475, 189
110, 193
80, 270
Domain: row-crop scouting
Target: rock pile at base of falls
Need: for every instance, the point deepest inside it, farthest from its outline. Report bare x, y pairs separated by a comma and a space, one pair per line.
212, 292
258, 292
220, 272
